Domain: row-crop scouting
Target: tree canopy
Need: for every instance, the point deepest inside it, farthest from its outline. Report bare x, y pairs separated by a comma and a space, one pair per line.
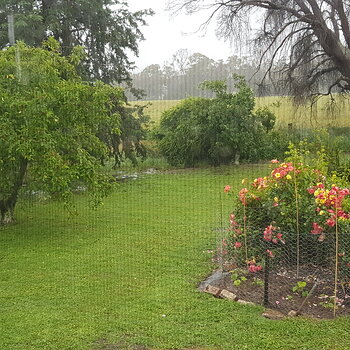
105, 28
307, 40
181, 77
49, 125
218, 130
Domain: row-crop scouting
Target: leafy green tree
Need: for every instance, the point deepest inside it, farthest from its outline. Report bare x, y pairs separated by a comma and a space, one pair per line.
105, 28
218, 130
49, 120
181, 132
128, 143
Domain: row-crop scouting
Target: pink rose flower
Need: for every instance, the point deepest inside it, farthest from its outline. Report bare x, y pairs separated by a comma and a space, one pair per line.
227, 188
316, 229
269, 253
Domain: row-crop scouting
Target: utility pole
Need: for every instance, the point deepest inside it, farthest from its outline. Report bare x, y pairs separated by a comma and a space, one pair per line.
11, 28
11, 34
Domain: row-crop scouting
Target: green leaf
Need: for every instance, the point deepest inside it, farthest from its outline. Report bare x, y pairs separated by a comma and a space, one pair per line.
234, 276
301, 284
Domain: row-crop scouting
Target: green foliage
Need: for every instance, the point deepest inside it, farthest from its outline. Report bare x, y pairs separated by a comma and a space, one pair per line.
218, 130
266, 117
181, 132
289, 117
329, 301
219, 87
128, 142
105, 28
237, 279
258, 282
298, 207
299, 288
275, 144
49, 120
323, 149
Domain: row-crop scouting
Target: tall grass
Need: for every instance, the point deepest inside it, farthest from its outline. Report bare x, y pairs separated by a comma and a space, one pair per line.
325, 113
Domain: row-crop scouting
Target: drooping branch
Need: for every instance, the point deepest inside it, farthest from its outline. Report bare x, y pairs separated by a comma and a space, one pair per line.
323, 26
318, 65
320, 73
300, 56
280, 46
344, 22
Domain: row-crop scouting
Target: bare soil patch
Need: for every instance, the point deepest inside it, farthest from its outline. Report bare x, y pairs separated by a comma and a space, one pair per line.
315, 299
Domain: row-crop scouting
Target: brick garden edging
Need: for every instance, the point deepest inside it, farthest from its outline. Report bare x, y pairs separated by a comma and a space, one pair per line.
206, 287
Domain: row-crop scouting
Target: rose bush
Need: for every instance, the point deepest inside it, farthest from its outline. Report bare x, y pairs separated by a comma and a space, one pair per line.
293, 216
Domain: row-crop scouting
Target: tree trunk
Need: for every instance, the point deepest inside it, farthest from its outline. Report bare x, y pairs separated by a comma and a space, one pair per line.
7, 205
237, 157
46, 7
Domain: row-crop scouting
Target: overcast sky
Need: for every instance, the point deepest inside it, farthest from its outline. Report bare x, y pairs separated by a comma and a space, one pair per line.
165, 34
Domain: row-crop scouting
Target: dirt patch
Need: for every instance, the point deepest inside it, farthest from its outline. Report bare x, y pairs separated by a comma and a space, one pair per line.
104, 344
310, 295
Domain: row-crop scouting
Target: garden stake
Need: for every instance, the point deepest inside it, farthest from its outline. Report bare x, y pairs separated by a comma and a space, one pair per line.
245, 233
307, 297
221, 264
336, 259
266, 281
297, 222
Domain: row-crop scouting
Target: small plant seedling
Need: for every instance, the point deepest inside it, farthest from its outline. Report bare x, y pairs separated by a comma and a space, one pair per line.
258, 282
329, 302
299, 288
237, 280
234, 276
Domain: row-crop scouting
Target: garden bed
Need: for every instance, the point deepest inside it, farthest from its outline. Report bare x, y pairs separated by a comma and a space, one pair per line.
285, 291
288, 239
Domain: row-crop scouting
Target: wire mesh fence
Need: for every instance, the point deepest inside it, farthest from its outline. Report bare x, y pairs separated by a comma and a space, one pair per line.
291, 252
312, 279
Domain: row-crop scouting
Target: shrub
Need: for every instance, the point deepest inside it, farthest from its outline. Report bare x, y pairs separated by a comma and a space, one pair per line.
295, 214
218, 130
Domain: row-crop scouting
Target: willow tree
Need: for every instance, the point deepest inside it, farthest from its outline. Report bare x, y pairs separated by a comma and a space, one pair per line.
308, 41
49, 120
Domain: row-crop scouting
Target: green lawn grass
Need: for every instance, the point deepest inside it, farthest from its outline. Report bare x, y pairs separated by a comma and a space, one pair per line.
306, 116
127, 274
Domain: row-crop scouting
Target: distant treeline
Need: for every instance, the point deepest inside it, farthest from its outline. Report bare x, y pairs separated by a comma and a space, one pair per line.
181, 77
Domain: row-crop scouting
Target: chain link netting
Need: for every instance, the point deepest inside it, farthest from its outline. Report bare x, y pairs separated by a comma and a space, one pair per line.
295, 270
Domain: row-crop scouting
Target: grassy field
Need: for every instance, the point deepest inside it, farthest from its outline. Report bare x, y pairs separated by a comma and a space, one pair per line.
322, 114
125, 276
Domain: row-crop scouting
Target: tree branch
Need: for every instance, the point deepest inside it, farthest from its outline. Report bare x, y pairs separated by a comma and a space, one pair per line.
312, 33
343, 21
277, 49
301, 56
320, 73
